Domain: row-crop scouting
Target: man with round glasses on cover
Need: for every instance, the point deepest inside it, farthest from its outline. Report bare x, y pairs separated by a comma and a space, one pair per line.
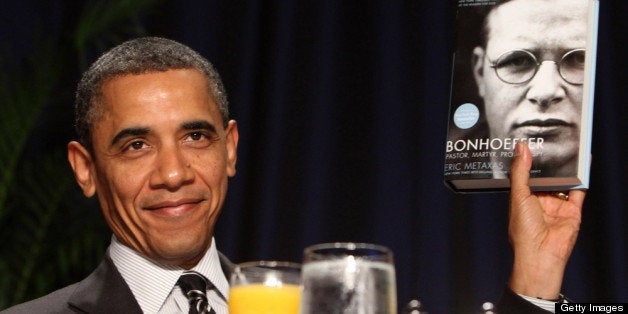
529, 72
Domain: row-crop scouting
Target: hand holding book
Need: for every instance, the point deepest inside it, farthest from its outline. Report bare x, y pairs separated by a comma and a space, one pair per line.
543, 229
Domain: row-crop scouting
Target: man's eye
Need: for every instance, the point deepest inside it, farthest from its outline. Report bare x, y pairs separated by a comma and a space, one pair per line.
574, 60
137, 145
517, 62
195, 136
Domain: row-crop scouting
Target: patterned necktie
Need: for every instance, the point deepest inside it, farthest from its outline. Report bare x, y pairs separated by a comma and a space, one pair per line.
194, 286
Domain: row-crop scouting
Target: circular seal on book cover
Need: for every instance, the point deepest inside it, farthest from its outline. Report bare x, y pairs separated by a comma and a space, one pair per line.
466, 116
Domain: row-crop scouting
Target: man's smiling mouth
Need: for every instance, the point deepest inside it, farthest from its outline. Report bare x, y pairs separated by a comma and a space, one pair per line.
174, 208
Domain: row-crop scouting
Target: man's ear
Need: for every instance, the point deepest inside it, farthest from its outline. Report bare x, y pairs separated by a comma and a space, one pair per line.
232, 137
83, 165
477, 63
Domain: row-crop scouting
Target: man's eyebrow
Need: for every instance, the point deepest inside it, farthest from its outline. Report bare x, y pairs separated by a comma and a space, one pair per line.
199, 125
129, 132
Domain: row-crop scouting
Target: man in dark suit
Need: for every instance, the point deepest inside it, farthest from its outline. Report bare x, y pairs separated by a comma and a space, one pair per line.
157, 147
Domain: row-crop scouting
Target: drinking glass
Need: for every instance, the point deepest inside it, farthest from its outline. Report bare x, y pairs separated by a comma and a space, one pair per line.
265, 287
348, 278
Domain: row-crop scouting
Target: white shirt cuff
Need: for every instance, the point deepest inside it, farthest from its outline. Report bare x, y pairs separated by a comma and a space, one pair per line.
544, 304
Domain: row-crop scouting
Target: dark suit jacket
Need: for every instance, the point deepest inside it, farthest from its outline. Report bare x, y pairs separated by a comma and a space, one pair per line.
512, 303
103, 291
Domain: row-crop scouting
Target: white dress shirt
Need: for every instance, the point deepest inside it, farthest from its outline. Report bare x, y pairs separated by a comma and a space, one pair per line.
154, 284
544, 304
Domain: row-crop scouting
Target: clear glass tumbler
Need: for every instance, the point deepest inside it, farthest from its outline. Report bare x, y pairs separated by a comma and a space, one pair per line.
348, 278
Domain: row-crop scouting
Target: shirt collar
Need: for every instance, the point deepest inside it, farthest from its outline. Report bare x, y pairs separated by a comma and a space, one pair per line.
152, 282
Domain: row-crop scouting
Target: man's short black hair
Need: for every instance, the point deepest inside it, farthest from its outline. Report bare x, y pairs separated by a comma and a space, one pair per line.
138, 56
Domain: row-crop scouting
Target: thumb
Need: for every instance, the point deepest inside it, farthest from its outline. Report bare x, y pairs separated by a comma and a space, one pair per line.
520, 172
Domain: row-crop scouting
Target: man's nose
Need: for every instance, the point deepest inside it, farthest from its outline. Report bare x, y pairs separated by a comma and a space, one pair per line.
172, 169
547, 86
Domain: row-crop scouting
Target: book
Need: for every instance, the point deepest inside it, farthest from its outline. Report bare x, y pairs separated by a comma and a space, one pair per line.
523, 71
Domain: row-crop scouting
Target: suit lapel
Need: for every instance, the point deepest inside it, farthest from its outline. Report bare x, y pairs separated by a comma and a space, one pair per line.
104, 291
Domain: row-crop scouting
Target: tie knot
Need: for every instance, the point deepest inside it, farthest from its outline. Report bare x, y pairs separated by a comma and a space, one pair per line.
194, 286
191, 281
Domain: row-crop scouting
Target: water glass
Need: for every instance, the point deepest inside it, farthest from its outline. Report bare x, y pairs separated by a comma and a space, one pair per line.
348, 278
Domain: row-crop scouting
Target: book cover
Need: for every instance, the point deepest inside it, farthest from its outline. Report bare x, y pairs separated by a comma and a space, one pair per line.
523, 71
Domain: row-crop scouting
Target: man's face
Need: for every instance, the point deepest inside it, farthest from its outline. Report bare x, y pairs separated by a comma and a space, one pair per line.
160, 164
546, 106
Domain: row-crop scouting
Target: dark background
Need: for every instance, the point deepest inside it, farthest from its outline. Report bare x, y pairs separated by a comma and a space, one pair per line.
342, 109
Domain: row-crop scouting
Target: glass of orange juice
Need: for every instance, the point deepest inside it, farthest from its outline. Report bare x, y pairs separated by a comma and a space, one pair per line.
265, 287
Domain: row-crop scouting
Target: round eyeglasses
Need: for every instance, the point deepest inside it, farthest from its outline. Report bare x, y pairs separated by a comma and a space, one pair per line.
520, 66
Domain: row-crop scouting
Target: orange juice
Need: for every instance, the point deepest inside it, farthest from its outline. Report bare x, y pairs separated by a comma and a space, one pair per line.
261, 299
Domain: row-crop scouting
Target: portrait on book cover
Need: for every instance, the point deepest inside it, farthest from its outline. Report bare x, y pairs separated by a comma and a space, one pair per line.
518, 75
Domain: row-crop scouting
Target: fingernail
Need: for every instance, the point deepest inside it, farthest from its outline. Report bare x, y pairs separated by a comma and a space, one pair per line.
519, 149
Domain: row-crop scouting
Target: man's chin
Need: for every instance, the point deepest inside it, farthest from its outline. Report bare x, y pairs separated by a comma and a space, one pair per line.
180, 253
